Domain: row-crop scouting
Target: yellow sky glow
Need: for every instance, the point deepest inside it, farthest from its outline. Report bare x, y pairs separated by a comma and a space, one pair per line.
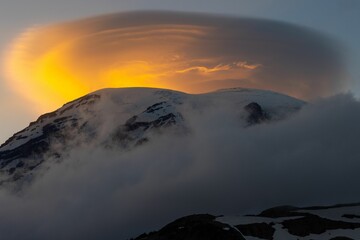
54, 76
51, 65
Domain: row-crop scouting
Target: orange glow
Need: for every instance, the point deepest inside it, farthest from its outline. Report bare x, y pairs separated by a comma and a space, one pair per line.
63, 69
45, 80
193, 53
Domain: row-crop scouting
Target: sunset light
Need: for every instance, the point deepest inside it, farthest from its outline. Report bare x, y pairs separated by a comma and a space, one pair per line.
53, 64
179, 120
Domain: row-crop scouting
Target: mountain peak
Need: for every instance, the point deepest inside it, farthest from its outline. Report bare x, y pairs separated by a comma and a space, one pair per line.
128, 117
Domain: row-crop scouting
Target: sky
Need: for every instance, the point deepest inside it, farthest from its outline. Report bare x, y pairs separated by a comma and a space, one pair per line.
336, 18
311, 158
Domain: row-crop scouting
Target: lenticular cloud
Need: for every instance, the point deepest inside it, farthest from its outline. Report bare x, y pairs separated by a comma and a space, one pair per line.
182, 51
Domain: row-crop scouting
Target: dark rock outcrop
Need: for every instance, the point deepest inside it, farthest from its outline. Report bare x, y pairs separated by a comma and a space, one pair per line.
351, 216
313, 224
341, 238
162, 121
158, 116
194, 227
258, 230
256, 114
281, 211
34, 141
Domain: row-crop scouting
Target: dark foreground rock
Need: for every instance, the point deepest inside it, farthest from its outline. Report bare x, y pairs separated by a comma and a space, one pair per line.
259, 230
195, 227
336, 222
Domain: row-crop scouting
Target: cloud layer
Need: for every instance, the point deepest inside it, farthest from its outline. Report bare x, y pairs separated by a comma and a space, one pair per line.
311, 158
182, 51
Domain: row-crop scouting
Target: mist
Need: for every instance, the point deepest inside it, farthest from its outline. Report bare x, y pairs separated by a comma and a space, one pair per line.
219, 167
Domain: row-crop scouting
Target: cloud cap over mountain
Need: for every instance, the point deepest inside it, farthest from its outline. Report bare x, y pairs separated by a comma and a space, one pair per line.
190, 52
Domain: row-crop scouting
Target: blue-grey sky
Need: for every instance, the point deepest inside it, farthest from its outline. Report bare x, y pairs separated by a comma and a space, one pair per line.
338, 18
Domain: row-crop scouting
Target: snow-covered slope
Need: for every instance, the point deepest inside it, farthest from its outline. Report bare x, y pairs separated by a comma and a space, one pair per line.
338, 222
126, 118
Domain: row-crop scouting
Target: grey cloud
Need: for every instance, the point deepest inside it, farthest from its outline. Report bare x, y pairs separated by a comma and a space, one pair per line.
221, 168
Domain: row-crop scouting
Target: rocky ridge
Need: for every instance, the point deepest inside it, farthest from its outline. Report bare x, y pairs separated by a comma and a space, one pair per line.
338, 222
127, 118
